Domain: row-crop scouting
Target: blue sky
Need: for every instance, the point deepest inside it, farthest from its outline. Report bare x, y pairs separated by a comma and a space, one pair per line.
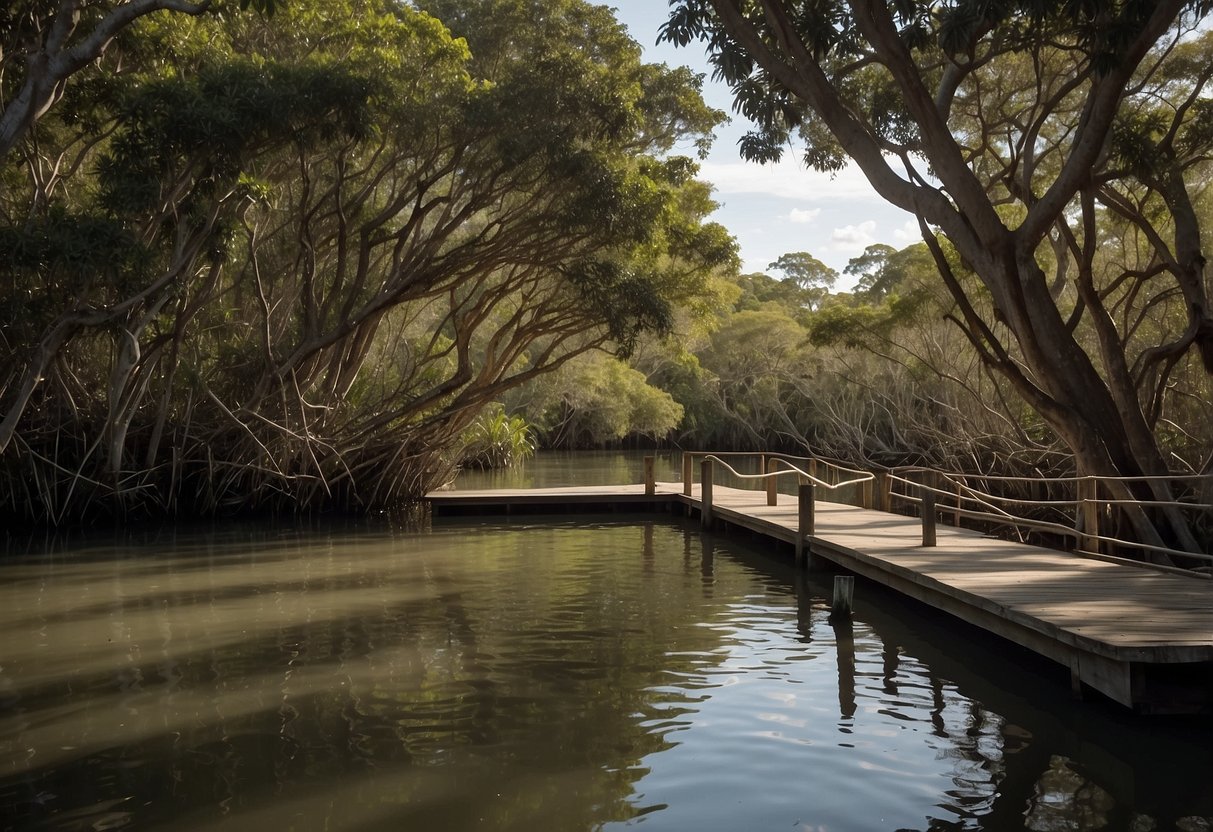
774, 209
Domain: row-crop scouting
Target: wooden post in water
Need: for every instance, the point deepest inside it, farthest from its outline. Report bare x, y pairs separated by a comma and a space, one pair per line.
1088, 513
650, 486
928, 517
844, 596
804, 530
705, 493
688, 472
772, 482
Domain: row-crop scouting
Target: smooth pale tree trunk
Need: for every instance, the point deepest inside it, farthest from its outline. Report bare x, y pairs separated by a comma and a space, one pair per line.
50, 65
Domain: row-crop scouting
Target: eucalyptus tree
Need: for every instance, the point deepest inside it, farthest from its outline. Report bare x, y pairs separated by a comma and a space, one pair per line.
303, 251
1034, 136
881, 270
898, 383
761, 291
814, 277
43, 43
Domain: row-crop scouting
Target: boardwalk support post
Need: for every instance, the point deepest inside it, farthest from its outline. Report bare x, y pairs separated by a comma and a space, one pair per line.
844, 596
772, 484
928, 517
1088, 514
688, 472
865, 494
705, 493
650, 486
804, 505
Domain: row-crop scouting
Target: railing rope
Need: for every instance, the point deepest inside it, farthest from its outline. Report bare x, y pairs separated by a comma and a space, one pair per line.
877, 491
810, 475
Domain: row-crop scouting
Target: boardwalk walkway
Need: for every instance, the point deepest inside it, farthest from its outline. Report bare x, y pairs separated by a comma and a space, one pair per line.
1140, 636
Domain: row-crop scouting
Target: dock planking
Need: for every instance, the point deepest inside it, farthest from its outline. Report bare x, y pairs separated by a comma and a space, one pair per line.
1140, 636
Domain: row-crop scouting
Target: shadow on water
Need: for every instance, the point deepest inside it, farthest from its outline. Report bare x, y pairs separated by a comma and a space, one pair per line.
1051, 762
539, 673
362, 680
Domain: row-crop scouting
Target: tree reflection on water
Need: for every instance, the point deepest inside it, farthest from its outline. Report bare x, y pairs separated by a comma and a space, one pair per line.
536, 675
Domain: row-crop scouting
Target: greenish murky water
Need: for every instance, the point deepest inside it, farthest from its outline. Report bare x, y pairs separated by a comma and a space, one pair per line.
537, 675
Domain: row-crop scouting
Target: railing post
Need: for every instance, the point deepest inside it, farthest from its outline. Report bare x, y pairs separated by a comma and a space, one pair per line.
705, 493
883, 487
959, 499
772, 483
865, 494
813, 468
1088, 514
804, 529
928, 517
688, 472
650, 485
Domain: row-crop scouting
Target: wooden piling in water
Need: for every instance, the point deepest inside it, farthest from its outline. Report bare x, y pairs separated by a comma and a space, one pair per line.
844, 596
650, 485
705, 493
688, 472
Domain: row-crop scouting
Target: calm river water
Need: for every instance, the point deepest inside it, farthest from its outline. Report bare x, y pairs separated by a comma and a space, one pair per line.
586, 674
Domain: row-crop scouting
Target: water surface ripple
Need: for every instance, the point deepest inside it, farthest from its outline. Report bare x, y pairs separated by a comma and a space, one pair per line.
541, 675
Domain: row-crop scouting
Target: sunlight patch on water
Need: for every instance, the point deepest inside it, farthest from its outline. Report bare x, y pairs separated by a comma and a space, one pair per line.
572, 676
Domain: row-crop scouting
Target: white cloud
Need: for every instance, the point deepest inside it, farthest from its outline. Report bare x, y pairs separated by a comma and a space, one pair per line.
787, 179
854, 237
805, 215
908, 233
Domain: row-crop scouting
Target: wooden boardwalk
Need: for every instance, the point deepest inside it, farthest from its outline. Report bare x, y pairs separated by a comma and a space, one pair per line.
1142, 637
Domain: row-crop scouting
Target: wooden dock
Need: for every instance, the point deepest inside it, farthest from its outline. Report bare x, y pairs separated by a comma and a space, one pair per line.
1141, 636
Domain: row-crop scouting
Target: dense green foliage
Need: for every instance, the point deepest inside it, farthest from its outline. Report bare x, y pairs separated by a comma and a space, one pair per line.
305, 255
282, 261
1058, 150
